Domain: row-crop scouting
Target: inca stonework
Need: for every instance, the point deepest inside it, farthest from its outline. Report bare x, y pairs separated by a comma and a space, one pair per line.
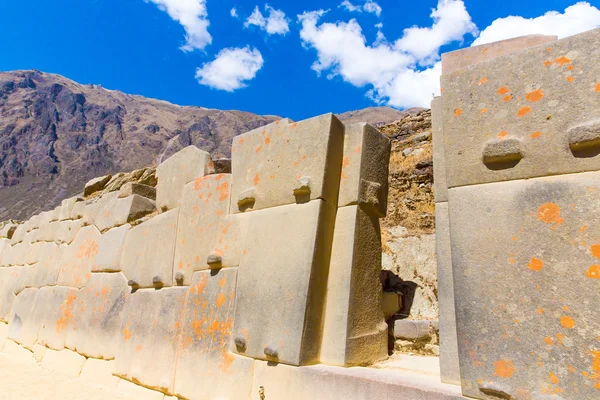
517, 156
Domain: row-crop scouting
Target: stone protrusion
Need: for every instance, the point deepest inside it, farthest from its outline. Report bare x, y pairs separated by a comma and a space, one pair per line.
246, 199
502, 154
584, 139
96, 184
221, 166
214, 260
158, 282
240, 344
271, 352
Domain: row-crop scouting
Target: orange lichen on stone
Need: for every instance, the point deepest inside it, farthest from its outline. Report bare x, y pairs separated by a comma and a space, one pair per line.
502, 134
535, 96
540, 310
593, 272
553, 378
571, 67
126, 333
483, 110
562, 61
503, 90
267, 140
482, 81
66, 313
549, 213
535, 135
535, 264
458, 112
547, 63
523, 111
256, 179
504, 368
567, 322
595, 249
583, 229
597, 88
507, 98
570, 78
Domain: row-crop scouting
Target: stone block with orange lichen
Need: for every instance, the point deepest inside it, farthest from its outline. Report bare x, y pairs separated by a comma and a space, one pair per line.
526, 312
526, 114
149, 249
53, 315
286, 163
79, 258
206, 367
204, 204
21, 326
177, 171
149, 338
96, 315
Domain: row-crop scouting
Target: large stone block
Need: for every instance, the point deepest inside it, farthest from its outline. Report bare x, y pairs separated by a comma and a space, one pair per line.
8, 279
284, 163
282, 283
7, 231
449, 366
53, 314
205, 201
79, 258
354, 330
3, 334
98, 316
48, 268
149, 250
205, 367
110, 249
99, 373
528, 114
66, 362
364, 178
526, 281
178, 170
21, 326
132, 391
96, 184
149, 337
230, 238
66, 207
440, 186
19, 233
118, 211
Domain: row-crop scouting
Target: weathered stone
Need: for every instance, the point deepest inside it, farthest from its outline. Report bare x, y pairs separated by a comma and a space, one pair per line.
53, 315
364, 178
205, 367
271, 159
79, 258
149, 341
7, 231
221, 166
118, 211
21, 326
504, 123
96, 322
449, 366
354, 330
205, 201
67, 205
440, 187
110, 249
133, 391
149, 250
230, 239
3, 334
408, 329
132, 188
281, 286
100, 373
8, 280
526, 284
178, 170
96, 184
390, 303
19, 353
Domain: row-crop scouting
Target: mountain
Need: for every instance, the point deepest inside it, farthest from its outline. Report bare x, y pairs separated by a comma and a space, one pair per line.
56, 134
377, 116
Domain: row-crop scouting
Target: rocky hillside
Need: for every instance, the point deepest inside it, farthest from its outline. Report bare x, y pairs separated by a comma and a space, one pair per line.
56, 134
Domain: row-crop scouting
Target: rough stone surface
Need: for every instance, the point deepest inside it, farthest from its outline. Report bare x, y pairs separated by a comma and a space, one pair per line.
21, 326
527, 285
96, 184
132, 188
99, 373
116, 211
206, 369
205, 202
66, 362
411, 329
277, 310
364, 178
53, 316
271, 160
149, 251
110, 249
440, 186
178, 170
449, 365
354, 331
530, 109
149, 337
97, 316
79, 258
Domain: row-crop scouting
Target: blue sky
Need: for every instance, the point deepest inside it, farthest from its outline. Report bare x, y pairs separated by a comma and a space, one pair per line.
140, 47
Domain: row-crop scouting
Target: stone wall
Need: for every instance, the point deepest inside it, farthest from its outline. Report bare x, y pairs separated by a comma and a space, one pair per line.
517, 155
184, 287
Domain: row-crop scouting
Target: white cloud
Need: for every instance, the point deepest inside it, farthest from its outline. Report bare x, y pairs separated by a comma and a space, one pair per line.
233, 12
389, 69
577, 18
370, 6
451, 22
192, 15
231, 69
275, 24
